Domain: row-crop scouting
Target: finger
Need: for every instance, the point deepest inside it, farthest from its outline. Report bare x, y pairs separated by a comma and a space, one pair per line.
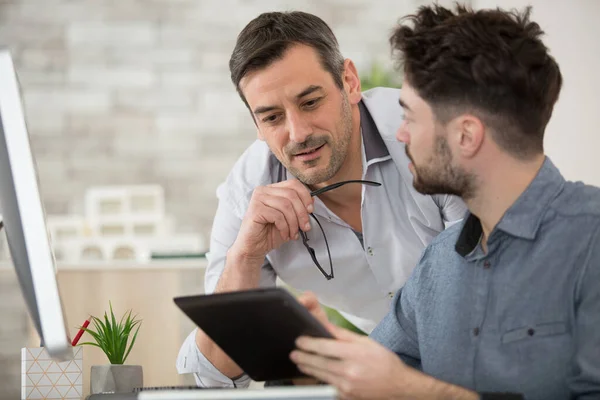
309, 300
345, 334
326, 370
331, 348
299, 206
322, 375
282, 205
315, 361
268, 215
302, 190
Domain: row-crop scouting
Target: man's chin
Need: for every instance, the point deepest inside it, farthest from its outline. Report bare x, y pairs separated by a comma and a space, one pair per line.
311, 176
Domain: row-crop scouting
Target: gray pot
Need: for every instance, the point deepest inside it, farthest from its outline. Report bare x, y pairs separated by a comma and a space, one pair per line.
114, 378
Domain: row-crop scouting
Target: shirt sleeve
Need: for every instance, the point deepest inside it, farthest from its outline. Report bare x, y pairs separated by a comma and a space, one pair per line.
225, 229
452, 208
585, 383
398, 329
191, 360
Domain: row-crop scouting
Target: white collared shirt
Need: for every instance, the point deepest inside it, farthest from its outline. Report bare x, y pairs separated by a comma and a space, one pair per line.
398, 223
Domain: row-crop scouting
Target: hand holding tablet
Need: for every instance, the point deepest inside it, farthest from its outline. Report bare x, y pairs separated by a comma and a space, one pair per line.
256, 328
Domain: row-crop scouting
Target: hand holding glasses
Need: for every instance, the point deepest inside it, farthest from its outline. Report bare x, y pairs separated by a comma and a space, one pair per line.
276, 214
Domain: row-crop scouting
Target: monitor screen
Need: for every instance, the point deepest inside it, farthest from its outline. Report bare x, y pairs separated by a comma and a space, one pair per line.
24, 219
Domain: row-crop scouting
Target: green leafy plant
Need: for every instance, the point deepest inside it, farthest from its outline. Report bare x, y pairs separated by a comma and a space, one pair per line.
338, 319
379, 77
112, 337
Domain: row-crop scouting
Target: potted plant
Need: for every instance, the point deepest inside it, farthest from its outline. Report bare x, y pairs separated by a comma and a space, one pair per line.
115, 339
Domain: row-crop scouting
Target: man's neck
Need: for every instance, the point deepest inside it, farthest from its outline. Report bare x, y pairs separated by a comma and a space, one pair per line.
499, 188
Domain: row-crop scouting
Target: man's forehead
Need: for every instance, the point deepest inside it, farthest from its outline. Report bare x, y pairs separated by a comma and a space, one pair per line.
298, 69
410, 99
271, 92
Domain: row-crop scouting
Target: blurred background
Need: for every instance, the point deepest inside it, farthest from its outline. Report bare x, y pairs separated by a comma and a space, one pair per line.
134, 122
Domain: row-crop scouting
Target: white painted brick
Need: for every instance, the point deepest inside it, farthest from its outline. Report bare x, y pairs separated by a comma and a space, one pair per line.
35, 12
105, 125
199, 123
111, 77
215, 60
222, 112
88, 56
199, 32
109, 34
42, 122
197, 78
175, 145
155, 100
161, 57
40, 59
127, 124
225, 145
135, 10
44, 34
40, 79
72, 100
176, 167
167, 123
51, 170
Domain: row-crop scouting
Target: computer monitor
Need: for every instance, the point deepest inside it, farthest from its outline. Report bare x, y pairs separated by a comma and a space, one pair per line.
24, 219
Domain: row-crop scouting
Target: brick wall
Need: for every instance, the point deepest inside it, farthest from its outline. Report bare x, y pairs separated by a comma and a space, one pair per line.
138, 91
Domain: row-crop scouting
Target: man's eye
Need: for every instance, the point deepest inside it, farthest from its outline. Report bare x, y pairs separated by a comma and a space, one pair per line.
311, 103
270, 119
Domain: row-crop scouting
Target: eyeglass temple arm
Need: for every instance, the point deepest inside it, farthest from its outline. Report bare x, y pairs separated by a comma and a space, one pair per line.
337, 185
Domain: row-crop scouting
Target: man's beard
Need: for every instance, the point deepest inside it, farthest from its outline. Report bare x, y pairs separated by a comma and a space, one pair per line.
440, 176
339, 149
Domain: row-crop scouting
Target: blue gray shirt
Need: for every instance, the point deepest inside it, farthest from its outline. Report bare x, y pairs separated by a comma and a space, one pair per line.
525, 317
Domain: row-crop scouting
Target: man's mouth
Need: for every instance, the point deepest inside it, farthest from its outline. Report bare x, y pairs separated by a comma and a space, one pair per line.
310, 154
310, 151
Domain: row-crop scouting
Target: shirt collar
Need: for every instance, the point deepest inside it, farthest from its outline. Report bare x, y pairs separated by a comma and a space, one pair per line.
523, 219
375, 148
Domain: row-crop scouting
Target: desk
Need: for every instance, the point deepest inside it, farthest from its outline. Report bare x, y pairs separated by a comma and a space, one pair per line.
148, 289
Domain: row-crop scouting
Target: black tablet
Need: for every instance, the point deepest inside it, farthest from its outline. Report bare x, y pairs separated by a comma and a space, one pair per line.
256, 328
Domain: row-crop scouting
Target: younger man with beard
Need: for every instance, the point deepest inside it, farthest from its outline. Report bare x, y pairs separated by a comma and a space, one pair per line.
508, 300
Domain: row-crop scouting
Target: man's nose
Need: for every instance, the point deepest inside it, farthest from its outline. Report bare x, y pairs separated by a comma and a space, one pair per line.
298, 127
402, 133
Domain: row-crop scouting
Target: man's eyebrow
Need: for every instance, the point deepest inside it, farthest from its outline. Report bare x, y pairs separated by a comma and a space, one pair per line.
404, 105
305, 92
308, 90
263, 109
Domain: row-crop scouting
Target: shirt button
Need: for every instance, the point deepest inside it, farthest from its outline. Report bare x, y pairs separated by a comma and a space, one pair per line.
370, 251
487, 264
391, 294
476, 332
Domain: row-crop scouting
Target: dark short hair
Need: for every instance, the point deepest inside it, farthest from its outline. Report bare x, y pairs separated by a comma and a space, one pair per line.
491, 63
267, 37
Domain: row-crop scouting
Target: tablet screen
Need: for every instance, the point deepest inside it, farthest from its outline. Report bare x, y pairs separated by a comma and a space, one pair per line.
256, 328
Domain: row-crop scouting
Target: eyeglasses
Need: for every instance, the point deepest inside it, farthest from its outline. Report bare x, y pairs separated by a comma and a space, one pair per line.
311, 251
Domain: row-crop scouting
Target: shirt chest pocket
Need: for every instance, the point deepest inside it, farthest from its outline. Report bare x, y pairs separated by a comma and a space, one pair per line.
534, 331
536, 354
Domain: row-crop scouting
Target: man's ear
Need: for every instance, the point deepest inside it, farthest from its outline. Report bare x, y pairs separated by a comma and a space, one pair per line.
467, 132
351, 82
